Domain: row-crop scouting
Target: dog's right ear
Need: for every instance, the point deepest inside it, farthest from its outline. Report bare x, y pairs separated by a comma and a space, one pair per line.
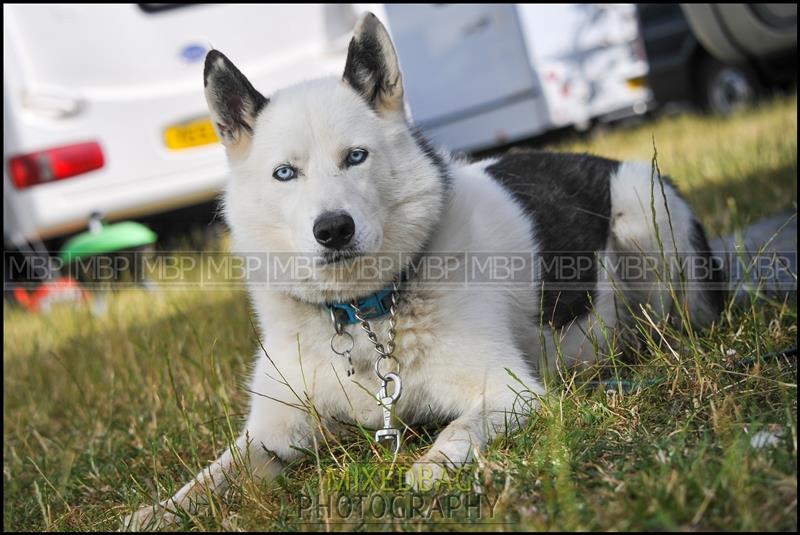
372, 68
233, 102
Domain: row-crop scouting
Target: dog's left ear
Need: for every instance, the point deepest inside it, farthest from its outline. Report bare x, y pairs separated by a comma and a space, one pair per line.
372, 68
233, 102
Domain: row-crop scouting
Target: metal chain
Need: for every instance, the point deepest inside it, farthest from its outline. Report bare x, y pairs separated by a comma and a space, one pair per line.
383, 352
385, 399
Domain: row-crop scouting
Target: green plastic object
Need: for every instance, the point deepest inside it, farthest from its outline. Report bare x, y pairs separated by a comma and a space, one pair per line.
121, 236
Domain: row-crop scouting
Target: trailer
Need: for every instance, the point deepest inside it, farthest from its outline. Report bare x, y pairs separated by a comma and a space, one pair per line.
481, 75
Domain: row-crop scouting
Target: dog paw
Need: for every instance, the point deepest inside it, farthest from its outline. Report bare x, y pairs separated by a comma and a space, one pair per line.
424, 476
149, 518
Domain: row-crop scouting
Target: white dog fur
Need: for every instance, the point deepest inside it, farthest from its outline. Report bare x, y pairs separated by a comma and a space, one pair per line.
455, 345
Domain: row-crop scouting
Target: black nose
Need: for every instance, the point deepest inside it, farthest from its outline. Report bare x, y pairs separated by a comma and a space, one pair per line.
334, 229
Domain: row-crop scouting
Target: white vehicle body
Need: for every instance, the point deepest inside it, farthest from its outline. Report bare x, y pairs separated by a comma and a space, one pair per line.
120, 76
521, 70
116, 74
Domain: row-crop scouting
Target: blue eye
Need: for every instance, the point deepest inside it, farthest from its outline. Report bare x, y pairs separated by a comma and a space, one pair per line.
356, 156
284, 173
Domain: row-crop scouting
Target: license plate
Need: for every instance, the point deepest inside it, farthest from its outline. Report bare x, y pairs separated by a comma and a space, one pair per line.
190, 134
637, 83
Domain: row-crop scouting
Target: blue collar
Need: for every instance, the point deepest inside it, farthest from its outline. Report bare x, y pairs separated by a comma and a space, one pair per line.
372, 306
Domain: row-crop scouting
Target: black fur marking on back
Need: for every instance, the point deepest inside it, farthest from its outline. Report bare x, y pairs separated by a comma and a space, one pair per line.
569, 200
233, 93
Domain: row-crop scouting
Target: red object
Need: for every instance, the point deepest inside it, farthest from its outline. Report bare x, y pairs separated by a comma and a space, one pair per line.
54, 291
55, 164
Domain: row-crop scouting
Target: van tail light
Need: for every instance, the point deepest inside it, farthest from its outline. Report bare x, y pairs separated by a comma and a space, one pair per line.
55, 164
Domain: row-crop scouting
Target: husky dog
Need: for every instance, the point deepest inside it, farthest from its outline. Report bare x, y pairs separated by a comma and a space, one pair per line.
333, 168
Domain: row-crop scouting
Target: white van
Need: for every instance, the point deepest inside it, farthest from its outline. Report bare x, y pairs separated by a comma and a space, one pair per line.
103, 108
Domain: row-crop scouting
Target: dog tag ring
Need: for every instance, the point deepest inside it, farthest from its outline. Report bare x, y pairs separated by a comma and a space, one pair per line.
340, 333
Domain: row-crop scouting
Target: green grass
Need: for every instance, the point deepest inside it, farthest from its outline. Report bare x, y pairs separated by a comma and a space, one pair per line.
101, 411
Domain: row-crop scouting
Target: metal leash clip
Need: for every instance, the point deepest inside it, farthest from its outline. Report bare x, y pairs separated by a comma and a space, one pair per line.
387, 401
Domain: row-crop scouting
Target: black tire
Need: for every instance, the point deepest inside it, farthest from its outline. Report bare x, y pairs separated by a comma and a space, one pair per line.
724, 88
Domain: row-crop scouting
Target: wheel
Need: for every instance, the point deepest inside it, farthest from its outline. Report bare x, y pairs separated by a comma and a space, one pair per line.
725, 88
